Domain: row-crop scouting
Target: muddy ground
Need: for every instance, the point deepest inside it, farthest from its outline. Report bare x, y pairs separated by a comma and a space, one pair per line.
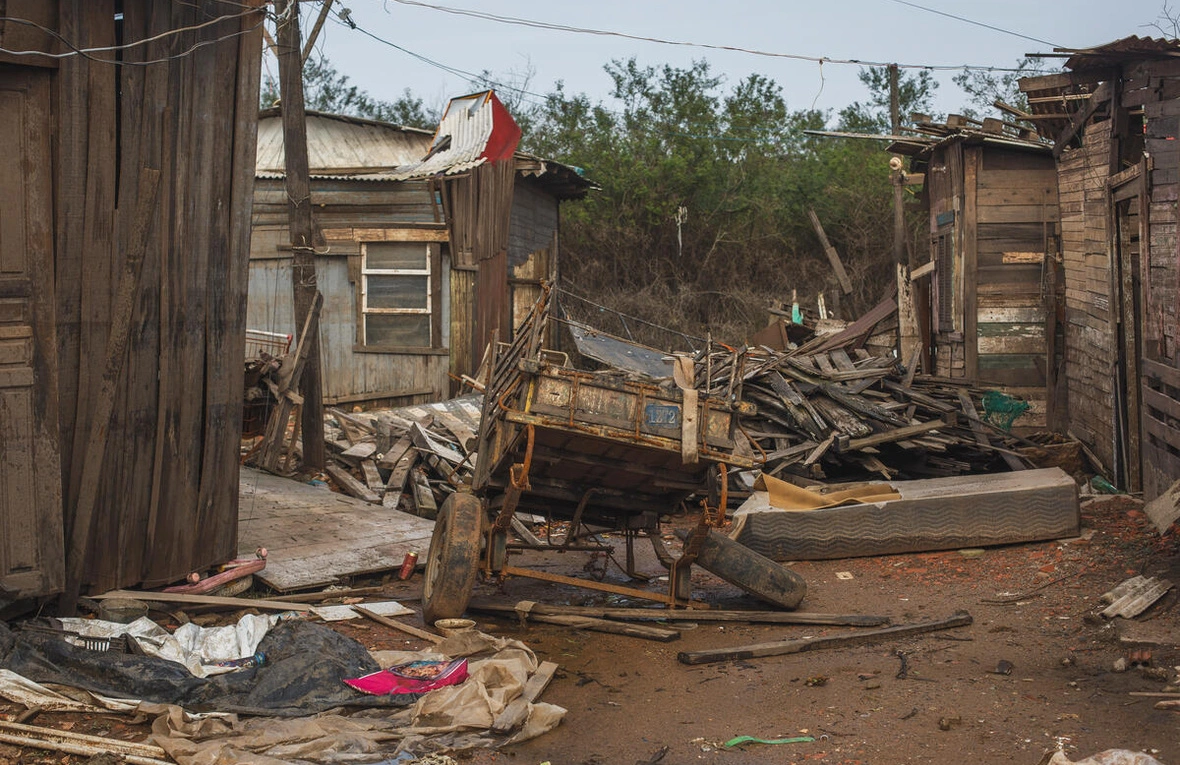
1030, 674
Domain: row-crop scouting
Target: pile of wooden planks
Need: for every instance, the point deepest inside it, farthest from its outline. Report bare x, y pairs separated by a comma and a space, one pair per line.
828, 409
408, 458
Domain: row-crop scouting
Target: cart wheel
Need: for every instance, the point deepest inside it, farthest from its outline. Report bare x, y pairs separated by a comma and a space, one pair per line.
453, 558
753, 572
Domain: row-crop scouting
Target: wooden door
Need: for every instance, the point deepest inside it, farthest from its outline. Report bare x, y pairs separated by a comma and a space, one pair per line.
31, 547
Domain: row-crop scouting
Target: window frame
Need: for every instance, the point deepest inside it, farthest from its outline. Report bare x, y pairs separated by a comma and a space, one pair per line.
433, 309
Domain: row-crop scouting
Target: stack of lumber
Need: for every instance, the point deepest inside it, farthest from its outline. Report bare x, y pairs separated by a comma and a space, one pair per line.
828, 409
408, 458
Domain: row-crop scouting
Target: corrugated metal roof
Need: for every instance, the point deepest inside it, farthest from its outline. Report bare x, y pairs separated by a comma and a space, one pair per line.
350, 148
1120, 51
340, 146
461, 139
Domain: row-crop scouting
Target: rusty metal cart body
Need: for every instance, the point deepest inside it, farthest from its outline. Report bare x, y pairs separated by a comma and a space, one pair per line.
590, 448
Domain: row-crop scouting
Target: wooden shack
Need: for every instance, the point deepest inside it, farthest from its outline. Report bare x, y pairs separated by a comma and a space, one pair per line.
428, 248
125, 188
986, 289
1113, 118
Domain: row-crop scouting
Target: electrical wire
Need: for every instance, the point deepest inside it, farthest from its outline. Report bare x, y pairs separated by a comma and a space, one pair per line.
516, 21
86, 52
976, 23
541, 100
469, 76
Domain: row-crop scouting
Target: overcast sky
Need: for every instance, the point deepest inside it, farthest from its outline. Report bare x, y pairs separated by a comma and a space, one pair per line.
864, 30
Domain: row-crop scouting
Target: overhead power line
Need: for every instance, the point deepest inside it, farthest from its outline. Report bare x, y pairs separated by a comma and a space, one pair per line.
975, 23
516, 21
88, 53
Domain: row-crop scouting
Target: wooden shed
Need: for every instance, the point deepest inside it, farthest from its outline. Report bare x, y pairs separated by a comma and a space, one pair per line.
987, 289
1114, 120
125, 187
428, 246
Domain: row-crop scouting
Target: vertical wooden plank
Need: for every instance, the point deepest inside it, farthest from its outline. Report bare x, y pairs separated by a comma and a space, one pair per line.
970, 250
69, 189
232, 189
131, 442
93, 257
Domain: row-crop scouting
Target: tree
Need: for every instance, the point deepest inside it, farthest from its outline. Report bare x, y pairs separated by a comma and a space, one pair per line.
702, 222
915, 94
326, 90
984, 87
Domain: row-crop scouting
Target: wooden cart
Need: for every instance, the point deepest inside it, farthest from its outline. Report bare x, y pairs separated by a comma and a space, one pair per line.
592, 448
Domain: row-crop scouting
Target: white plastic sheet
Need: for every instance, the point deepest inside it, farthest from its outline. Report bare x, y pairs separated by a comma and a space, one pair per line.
197, 648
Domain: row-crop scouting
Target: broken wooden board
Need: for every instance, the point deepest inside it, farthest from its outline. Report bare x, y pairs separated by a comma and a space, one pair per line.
514, 714
932, 514
349, 484
204, 600
1164, 510
317, 537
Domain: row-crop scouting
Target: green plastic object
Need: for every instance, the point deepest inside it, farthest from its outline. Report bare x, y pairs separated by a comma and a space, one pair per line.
1103, 486
1001, 410
754, 740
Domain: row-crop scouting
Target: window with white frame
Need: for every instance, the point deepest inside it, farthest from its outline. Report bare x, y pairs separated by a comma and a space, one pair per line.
396, 300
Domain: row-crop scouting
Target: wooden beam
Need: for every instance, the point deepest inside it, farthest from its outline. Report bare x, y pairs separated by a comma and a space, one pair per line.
830, 251
582, 622
350, 485
673, 615
205, 600
406, 628
1065, 79
778, 648
1099, 97
315, 30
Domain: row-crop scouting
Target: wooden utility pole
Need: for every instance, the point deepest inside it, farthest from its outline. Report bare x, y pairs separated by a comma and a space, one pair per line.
908, 334
898, 198
303, 278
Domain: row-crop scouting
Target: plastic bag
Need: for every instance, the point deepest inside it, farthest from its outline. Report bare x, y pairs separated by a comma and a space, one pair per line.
413, 677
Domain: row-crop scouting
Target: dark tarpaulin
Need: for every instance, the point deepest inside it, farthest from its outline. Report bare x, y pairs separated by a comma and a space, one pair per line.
303, 674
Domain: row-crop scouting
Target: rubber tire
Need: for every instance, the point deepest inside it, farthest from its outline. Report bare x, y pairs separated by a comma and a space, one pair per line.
452, 561
751, 571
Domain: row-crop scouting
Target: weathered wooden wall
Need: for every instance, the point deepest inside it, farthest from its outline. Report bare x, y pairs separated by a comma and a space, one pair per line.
532, 246
1090, 342
1016, 246
349, 374
1156, 85
165, 493
349, 212
993, 230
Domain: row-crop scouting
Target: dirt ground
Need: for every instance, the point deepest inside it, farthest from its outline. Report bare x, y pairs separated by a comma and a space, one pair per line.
1030, 674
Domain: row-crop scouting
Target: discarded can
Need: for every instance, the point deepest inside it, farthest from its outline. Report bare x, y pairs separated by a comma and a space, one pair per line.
408, 563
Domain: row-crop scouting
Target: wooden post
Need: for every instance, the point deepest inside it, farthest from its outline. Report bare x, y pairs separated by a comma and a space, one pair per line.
908, 333
303, 276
